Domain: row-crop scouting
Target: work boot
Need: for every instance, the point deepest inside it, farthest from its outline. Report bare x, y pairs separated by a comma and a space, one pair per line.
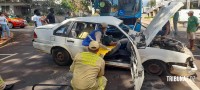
193, 49
192, 45
9, 87
189, 45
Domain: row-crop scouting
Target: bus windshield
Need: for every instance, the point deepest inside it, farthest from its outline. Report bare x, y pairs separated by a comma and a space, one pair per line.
119, 7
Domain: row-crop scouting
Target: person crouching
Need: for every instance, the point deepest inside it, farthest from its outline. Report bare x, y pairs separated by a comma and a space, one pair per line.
88, 70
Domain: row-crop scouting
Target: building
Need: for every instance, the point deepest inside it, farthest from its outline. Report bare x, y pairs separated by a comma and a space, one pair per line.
189, 4
16, 7
152, 10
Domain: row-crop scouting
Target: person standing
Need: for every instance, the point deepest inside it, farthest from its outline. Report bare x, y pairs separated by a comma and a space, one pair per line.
97, 13
175, 21
4, 25
67, 15
36, 18
88, 69
191, 29
50, 17
0, 32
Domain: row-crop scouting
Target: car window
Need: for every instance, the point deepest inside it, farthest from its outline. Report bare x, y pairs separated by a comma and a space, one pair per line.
114, 31
81, 30
62, 30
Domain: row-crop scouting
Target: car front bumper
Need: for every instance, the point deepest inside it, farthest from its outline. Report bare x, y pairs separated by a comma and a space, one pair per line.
183, 70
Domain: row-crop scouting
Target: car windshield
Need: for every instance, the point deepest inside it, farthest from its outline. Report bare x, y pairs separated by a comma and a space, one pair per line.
12, 16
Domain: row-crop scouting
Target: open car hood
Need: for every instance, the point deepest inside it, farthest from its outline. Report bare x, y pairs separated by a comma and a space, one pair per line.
160, 20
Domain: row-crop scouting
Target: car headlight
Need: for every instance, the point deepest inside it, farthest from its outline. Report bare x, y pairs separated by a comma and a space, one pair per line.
189, 62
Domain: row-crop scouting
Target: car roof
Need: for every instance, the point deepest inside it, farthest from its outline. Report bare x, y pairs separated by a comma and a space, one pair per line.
110, 20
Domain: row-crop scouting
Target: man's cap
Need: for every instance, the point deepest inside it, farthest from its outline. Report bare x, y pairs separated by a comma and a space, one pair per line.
104, 25
191, 12
94, 45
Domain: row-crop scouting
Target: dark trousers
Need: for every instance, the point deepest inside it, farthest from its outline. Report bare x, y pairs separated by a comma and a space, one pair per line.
1, 32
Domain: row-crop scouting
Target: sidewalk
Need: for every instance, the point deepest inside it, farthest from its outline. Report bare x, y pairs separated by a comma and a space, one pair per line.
6, 40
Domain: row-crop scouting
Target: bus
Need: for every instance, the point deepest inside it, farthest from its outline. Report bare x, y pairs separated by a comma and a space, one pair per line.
130, 11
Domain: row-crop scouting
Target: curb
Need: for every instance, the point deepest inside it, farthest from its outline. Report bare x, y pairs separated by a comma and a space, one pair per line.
7, 41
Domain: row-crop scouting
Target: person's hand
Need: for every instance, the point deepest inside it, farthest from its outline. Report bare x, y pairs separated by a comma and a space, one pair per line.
108, 49
113, 43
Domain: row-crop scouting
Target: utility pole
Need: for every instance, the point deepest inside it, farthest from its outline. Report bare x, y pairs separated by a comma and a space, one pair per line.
188, 4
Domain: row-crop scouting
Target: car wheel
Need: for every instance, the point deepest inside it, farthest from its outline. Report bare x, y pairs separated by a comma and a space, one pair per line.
10, 25
61, 57
154, 67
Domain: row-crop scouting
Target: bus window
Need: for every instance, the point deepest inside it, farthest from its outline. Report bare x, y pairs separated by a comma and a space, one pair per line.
119, 7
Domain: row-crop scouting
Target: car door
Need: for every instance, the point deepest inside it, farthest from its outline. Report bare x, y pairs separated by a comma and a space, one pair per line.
59, 34
137, 70
75, 37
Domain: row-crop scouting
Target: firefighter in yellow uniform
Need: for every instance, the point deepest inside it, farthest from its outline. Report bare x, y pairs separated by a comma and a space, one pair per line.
88, 70
4, 86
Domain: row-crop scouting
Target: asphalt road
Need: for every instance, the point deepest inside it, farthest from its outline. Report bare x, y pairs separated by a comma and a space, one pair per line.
25, 66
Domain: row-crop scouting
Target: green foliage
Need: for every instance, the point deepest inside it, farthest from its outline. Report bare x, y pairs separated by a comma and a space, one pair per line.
75, 5
151, 3
66, 4
85, 4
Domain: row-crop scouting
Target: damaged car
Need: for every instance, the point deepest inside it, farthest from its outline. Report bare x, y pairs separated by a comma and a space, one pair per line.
162, 54
158, 54
64, 40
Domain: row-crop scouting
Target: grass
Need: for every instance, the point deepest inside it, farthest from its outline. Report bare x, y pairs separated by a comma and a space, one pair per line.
148, 17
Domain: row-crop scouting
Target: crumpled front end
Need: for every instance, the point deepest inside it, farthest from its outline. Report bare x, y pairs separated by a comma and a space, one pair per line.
183, 69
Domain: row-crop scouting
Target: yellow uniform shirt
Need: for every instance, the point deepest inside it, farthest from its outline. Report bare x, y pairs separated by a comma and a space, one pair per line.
86, 68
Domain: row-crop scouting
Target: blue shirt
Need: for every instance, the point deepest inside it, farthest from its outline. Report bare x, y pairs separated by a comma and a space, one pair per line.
87, 40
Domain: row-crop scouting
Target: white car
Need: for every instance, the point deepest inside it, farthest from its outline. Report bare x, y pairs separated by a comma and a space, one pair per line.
158, 54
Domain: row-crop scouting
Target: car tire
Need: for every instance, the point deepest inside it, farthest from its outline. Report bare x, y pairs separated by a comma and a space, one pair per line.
61, 57
10, 25
155, 67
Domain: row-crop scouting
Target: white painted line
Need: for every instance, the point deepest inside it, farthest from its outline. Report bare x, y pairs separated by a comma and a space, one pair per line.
191, 84
10, 55
196, 55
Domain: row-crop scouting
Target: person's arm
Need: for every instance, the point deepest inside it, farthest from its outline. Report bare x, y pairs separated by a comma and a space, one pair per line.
102, 69
34, 20
47, 18
98, 36
196, 21
113, 43
73, 64
167, 29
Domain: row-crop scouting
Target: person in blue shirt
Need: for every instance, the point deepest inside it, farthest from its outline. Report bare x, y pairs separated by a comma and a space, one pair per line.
165, 30
175, 21
98, 34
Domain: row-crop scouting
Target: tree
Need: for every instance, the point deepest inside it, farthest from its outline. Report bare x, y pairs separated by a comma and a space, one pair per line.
151, 3
69, 5
75, 5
